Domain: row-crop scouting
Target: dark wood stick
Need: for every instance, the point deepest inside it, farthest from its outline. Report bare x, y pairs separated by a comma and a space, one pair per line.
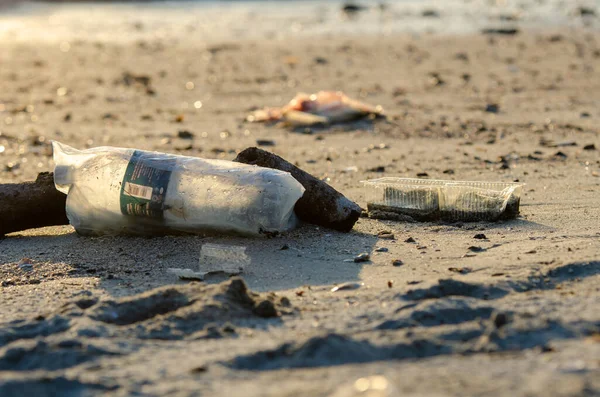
30, 205
321, 204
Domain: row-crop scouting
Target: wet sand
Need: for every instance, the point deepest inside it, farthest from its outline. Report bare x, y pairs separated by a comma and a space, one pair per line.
515, 313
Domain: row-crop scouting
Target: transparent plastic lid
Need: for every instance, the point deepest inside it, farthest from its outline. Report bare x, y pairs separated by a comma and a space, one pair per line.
428, 200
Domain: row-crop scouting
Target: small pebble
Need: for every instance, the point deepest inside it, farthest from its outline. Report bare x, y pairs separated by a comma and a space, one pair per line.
382, 249
560, 155
410, 240
390, 283
480, 236
265, 142
591, 146
185, 134
397, 262
362, 257
461, 270
492, 108
474, 248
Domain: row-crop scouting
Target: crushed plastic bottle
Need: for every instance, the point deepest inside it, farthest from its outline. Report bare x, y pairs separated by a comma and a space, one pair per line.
126, 191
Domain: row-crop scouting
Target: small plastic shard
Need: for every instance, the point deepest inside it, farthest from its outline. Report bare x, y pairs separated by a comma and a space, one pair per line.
347, 287
324, 107
187, 274
229, 259
370, 386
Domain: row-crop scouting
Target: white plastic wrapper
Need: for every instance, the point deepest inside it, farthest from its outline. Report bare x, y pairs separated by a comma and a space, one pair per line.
126, 191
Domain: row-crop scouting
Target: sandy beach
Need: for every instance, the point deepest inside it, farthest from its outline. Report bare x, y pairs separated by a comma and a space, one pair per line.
515, 312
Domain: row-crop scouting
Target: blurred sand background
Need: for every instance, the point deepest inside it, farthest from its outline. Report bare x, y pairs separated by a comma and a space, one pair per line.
516, 313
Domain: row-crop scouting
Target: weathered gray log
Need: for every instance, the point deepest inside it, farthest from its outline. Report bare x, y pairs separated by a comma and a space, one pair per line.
321, 204
30, 205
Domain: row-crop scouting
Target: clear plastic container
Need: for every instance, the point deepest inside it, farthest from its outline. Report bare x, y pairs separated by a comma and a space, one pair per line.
116, 191
429, 200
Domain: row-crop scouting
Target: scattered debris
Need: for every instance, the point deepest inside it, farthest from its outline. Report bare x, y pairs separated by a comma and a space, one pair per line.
386, 235
461, 270
492, 108
351, 8
435, 80
322, 108
347, 287
559, 156
586, 12
550, 143
397, 262
362, 257
265, 142
430, 14
474, 248
185, 134
501, 31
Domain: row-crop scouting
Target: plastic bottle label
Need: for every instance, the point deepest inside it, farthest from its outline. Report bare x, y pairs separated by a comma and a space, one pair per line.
145, 184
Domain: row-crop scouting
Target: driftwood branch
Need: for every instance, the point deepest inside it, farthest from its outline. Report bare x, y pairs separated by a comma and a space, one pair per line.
30, 205
321, 204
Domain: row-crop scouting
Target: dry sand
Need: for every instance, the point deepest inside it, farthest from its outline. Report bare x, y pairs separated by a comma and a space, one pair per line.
83, 316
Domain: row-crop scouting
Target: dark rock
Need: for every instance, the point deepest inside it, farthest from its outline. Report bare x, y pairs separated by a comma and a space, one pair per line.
410, 240
492, 108
422, 175
586, 11
377, 169
397, 262
480, 236
430, 14
474, 248
501, 319
265, 142
185, 134
352, 8
560, 155
501, 31
591, 146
